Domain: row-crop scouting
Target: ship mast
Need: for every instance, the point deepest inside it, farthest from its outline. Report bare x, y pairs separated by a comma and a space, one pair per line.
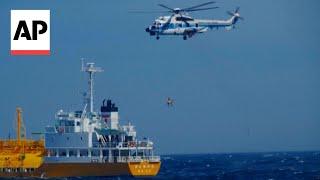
90, 69
18, 124
20, 127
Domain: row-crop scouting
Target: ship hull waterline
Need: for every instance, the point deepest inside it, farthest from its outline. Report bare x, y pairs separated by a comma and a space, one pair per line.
52, 170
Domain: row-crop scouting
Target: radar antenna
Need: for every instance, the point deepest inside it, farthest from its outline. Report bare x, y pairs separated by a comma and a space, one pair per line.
90, 69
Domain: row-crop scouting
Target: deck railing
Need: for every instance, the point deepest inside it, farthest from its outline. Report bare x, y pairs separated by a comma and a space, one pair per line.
125, 144
138, 158
104, 159
15, 146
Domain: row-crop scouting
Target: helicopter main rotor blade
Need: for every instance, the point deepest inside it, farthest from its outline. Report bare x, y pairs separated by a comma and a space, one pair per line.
164, 6
201, 9
241, 18
197, 6
230, 13
147, 12
168, 21
237, 10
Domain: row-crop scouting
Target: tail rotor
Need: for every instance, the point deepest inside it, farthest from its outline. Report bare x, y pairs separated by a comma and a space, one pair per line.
236, 15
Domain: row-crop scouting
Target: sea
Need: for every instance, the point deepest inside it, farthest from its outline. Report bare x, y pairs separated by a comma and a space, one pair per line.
242, 166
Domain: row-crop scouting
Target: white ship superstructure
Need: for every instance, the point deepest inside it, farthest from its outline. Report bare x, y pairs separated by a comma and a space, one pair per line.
87, 136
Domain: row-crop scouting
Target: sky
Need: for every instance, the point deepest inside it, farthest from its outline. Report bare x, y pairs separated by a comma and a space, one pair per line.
252, 89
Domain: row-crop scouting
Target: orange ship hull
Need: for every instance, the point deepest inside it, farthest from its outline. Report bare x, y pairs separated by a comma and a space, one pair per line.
48, 170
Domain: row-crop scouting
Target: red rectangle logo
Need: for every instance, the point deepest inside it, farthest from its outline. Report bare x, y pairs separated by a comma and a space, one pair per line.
30, 52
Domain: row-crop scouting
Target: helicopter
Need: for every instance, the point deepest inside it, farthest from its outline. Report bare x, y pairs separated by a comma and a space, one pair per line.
180, 23
170, 102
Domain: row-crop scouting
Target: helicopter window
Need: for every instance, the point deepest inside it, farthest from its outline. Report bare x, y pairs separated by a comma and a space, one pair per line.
183, 19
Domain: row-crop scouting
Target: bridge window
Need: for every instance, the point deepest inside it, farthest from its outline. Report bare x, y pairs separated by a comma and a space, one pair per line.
95, 152
78, 114
84, 153
62, 152
66, 123
105, 153
72, 153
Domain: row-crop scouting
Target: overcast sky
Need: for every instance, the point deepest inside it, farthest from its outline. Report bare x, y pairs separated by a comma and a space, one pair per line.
255, 88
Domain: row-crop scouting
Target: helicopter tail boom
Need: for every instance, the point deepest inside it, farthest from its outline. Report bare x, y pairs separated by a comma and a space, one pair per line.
228, 24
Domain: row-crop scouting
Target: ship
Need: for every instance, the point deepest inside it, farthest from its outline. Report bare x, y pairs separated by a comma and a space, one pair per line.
86, 143
20, 156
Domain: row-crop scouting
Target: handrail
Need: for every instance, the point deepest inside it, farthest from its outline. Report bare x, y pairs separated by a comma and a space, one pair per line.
24, 145
124, 144
138, 158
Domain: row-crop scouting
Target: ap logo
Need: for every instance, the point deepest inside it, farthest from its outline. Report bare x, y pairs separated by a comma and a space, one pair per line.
30, 32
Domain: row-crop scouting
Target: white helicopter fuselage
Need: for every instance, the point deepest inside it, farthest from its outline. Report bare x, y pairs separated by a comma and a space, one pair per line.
178, 24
